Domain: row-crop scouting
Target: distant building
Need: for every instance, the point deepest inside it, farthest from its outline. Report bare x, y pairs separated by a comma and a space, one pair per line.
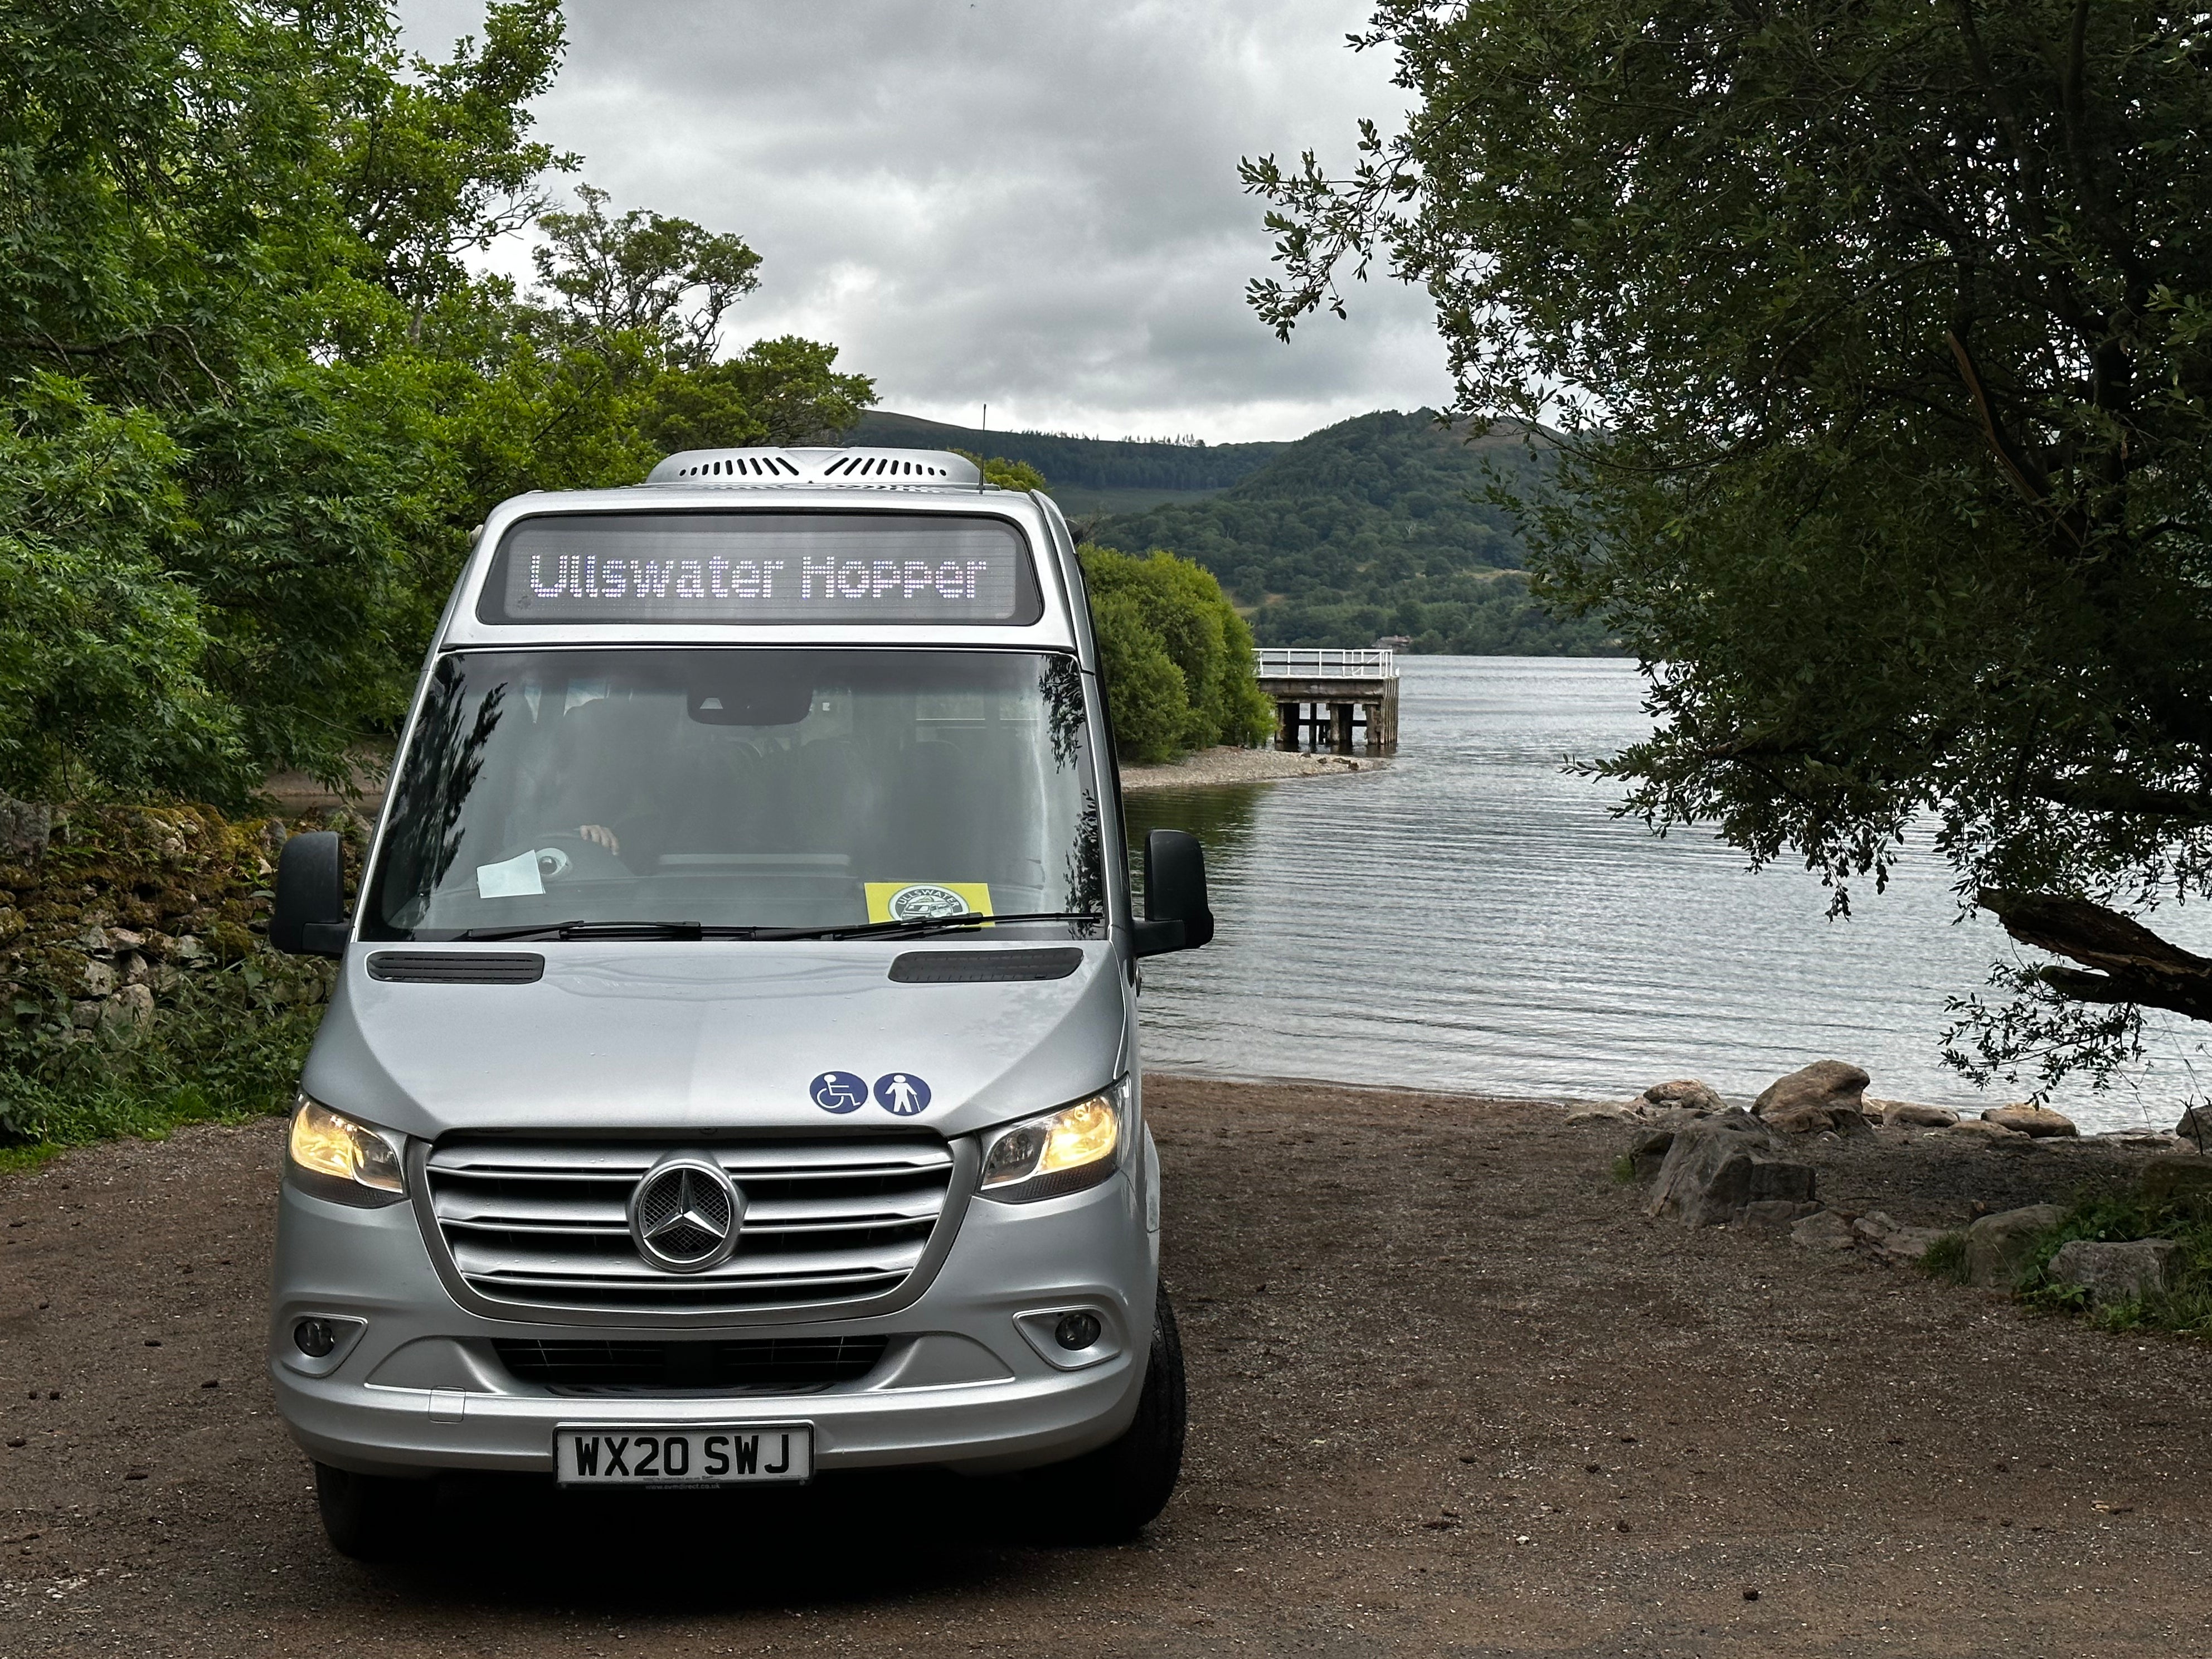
1395, 642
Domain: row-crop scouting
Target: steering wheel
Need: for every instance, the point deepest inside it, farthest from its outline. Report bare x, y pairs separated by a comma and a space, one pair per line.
564, 855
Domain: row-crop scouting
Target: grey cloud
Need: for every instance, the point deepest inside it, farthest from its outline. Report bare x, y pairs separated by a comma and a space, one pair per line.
1030, 204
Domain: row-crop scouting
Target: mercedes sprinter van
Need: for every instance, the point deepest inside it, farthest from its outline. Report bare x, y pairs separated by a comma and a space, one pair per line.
732, 1073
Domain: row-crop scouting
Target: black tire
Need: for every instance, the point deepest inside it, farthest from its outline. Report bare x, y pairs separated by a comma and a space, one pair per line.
1107, 1496
372, 1517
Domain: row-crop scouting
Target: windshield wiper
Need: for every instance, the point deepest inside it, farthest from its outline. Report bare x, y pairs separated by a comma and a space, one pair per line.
920, 925
579, 929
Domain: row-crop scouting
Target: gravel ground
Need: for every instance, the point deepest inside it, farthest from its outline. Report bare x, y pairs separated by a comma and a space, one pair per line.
1451, 1394
1245, 766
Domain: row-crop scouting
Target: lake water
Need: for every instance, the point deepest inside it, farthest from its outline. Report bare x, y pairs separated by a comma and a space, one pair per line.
1472, 918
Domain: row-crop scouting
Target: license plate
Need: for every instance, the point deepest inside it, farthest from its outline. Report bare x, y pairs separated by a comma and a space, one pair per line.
720, 1455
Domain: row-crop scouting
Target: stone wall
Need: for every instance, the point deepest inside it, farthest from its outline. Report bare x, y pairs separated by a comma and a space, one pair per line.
104, 910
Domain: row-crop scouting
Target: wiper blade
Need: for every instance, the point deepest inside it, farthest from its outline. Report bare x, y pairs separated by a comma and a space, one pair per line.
580, 929
920, 925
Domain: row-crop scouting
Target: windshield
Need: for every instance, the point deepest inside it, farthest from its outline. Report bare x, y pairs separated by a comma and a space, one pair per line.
739, 787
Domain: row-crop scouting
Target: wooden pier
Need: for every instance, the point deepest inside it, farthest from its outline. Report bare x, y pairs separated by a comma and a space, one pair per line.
1333, 695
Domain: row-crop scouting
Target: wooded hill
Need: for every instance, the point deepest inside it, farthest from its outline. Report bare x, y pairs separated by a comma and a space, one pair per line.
1373, 526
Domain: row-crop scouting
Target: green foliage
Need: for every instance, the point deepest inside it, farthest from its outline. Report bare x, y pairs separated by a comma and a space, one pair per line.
2185, 1307
1004, 474
252, 400
1373, 526
1946, 1259
228, 1046
785, 391
1175, 657
1879, 334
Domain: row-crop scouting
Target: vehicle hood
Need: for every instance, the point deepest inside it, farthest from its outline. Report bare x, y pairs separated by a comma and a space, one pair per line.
685, 1035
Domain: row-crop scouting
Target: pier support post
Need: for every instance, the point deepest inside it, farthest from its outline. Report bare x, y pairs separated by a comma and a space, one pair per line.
1286, 726
1340, 727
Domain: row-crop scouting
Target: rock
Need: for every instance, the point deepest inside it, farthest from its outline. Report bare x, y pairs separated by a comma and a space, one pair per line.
1686, 1094
2177, 1176
1778, 1215
1717, 1166
1825, 1231
190, 948
122, 939
1982, 1129
1597, 1115
2115, 1272
25, 827
1649, 1154
94, 940
98, 979
85, 1015
1828, 1094
1998, 1246
131, 1006
2196, 1126
1917, 1117
134, 967
2030, 1120
1891, 1240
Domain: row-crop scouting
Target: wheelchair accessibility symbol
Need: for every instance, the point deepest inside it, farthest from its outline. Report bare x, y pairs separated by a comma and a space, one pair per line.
839, 1092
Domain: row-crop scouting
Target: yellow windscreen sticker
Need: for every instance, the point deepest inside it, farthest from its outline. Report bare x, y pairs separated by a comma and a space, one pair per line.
926, 901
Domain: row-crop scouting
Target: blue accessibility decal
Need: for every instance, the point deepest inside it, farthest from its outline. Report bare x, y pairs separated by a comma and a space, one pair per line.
902, 1094
839, 1092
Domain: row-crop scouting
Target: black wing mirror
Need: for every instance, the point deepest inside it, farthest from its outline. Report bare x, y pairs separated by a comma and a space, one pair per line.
1175, 913
310, 919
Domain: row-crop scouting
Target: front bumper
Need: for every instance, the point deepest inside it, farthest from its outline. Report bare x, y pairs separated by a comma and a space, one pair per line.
415, 1386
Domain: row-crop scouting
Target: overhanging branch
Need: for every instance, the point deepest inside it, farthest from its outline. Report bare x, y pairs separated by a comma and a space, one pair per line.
2130, 962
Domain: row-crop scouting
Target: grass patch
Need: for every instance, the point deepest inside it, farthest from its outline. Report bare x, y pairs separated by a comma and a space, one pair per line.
2183, 1309
1947, 1258
227, 1046
1624, 1171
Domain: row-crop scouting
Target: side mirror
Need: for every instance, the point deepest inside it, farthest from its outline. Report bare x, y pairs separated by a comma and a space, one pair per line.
1175, 913
310, 917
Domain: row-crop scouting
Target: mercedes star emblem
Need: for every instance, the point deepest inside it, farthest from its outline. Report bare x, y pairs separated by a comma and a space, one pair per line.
685, 1215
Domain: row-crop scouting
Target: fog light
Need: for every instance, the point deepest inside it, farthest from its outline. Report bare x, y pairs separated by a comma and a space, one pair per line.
1076, 1331
315, 1337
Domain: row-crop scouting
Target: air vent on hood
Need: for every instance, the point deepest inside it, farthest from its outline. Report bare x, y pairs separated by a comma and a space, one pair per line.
457, 966
984, 967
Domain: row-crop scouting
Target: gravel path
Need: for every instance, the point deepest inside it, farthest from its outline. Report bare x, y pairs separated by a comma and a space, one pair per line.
1452, 1393
1210, 766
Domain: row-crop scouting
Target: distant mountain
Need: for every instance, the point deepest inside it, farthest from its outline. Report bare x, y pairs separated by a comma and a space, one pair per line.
1088, 475
1370, 527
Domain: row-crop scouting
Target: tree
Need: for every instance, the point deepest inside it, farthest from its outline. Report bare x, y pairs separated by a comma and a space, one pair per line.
252, 398
1882, 337
1177, 659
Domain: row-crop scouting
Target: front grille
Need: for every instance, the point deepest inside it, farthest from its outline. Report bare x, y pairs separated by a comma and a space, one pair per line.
767, 1365
543, 1224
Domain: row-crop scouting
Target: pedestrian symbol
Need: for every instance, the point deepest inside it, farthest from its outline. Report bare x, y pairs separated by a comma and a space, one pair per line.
902, 1094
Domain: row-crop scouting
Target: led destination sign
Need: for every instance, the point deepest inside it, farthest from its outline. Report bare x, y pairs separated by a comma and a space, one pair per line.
761, 567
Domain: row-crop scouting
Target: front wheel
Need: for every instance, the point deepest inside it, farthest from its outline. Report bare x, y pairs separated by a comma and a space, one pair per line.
1107, 1495
372, 1517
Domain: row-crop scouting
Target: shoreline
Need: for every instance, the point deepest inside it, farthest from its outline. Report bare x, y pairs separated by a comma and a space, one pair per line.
1208, 767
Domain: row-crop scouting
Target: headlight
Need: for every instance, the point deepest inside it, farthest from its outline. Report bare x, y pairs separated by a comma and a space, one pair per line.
1062, 1151
334, 1156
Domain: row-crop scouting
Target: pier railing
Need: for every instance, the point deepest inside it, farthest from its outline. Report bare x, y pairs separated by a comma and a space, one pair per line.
1313, 662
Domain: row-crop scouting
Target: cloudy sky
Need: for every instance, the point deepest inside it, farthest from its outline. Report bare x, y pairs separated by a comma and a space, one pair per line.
1028, 202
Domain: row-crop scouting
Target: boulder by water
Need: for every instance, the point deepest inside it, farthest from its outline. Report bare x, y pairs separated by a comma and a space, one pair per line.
1904, 1114
1684, 1094
2030, 1120
1829, 1094
1717, 1167
2182, 1175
